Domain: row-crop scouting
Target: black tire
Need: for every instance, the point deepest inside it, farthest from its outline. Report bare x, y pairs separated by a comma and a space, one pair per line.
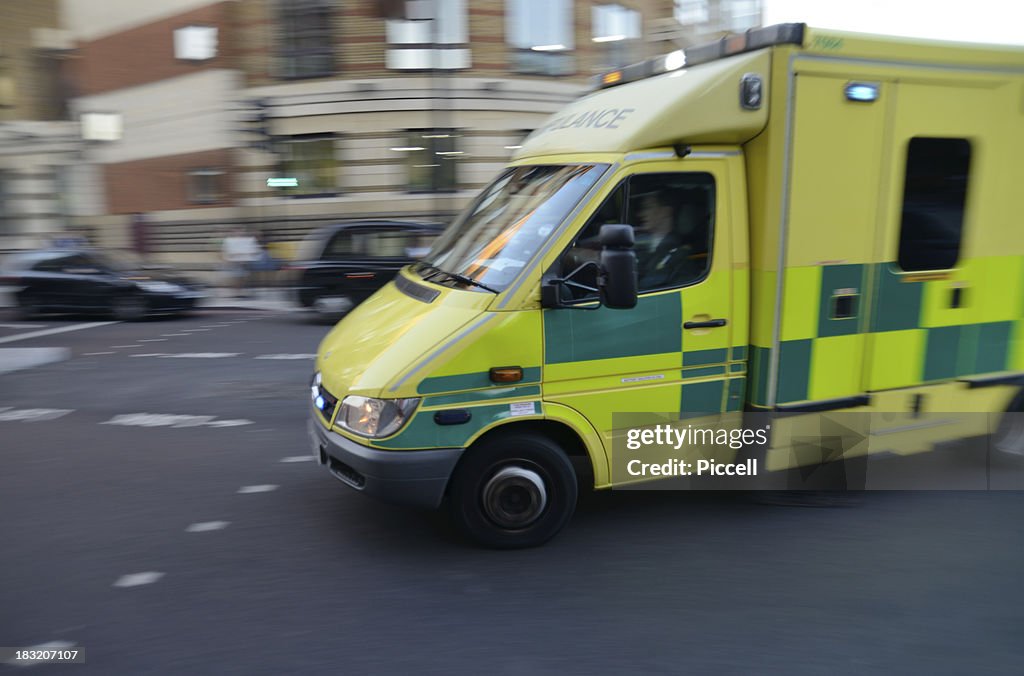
28, 308
495, 493
128, 308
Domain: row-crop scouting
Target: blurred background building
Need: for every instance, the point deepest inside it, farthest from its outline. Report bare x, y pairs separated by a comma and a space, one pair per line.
175, 113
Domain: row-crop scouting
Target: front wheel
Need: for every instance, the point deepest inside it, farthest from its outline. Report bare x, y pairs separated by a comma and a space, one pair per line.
513, 492
28, 307
128, 308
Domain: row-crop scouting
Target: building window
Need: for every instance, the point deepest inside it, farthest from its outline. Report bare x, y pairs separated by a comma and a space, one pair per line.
427, 43
195, 43
205, 186
540, 33
310, 160
306, 39
101, 126
616, 30
691, 12
744, 15
431, 156
934, 196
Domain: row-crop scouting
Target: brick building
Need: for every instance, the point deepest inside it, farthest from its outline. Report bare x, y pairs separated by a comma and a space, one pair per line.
41, 150
374, 116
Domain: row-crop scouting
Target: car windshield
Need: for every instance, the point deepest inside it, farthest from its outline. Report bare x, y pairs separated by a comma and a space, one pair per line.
495, 238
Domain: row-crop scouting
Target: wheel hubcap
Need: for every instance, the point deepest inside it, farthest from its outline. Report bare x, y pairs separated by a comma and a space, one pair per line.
515, 497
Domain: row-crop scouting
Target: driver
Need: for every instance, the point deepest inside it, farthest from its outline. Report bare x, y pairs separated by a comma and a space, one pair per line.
673, 250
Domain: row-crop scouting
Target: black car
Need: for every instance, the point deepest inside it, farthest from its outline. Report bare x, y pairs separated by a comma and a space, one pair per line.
87, 280
342, 265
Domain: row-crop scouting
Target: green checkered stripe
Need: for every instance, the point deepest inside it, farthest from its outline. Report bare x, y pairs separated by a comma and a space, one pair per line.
919, 328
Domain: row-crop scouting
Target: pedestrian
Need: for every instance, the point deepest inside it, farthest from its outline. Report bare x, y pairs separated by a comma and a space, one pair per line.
239, 251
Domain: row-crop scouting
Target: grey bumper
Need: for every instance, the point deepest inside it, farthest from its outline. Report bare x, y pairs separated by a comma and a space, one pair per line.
416, 478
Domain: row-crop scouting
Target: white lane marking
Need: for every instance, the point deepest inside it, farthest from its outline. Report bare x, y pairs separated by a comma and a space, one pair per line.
171, 420
230, 423
8, 414
123, 347
22, 326
136, 579
17, 358
50, 332
194, 330
93, 354
153, 340
298, 458
148, 354
201, 355
49, 645
286, 356
205, 526
173, 335
261, 488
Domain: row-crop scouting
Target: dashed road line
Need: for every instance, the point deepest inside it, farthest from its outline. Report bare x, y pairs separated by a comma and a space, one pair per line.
123, 347
22, 326
94, 354
153, 340
172, 420
286, 356
8, 414
136, 579
200, 355
50, 332
260, 488
173, 335
20, 358
205, 526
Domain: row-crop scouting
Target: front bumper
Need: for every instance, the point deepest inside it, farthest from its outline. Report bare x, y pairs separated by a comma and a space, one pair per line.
417, 478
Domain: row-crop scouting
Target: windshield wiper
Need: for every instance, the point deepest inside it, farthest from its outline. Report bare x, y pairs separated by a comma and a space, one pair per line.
432, 271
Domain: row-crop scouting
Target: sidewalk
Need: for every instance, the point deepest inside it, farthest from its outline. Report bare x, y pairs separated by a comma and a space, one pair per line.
273, 299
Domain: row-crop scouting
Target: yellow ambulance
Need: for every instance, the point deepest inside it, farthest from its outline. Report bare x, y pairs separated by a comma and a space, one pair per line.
786, 221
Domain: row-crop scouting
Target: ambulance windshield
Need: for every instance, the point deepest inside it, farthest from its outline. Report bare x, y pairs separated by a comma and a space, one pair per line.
499, 233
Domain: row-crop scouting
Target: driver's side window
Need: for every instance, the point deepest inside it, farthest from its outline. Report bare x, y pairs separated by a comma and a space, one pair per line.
672, 216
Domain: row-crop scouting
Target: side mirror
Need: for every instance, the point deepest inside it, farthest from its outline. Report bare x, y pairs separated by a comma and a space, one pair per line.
618, 280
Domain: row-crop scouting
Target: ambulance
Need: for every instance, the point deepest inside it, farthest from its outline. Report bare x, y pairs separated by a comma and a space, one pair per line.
785, 222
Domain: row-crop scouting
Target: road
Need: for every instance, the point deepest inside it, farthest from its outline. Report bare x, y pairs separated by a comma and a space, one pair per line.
159, 510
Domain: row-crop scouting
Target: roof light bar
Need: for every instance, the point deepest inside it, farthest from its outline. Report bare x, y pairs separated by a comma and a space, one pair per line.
756, 38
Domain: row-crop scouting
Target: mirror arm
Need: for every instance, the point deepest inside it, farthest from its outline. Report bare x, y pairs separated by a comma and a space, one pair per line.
567, 281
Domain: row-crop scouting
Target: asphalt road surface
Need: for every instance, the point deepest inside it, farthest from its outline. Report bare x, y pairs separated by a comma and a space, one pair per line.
159, 509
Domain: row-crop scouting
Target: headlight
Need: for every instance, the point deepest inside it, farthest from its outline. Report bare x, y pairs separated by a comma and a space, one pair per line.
158, 286
375, 418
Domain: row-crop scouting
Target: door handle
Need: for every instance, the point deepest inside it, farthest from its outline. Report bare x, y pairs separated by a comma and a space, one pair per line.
709, 324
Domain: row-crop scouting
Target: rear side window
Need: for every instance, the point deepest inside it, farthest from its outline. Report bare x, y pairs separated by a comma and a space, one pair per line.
52, 264
934, 196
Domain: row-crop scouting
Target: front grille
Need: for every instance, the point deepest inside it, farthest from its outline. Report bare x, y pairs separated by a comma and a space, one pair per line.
330, 402
345, 473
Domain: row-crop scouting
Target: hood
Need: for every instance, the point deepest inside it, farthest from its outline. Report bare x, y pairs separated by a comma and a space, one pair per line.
390, 333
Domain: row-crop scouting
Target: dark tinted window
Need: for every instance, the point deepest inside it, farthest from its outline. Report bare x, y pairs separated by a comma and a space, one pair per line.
672, 216
934, 195
52, 264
